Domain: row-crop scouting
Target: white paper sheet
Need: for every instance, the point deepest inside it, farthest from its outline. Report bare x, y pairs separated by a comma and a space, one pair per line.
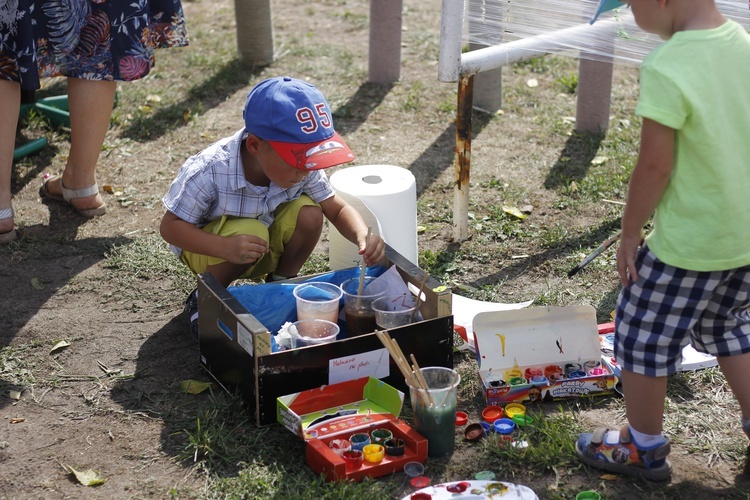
464, 310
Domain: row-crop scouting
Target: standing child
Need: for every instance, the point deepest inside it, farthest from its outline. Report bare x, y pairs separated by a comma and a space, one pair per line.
253, 204
690, 279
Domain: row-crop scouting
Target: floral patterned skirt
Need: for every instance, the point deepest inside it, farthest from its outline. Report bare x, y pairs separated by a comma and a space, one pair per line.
88, 39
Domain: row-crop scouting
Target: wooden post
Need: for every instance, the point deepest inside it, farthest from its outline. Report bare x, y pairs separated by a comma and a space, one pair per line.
488, 89
488, 85
385, 41
594, 94
463, 158
254, 31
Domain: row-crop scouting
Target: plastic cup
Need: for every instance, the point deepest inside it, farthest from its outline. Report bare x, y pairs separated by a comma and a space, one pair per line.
353, 459
515, 409
339, 446
588, 495
359, 440
392, 311
317, 300
395, 447
360, 318
380, 436
504, 425
435, 414
374, 453
313, 332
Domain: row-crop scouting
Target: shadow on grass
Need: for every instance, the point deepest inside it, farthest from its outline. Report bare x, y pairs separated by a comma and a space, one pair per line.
440, 155
215, 432
351, 115
574, 160
207, 94
41, 264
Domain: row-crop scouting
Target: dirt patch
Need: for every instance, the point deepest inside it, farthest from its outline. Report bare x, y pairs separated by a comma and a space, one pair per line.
110, 400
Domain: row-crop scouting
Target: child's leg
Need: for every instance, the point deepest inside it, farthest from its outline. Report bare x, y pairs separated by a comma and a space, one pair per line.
303, 241
724, 331
644, 401
224, 271
295, 232
736, 369
654, 317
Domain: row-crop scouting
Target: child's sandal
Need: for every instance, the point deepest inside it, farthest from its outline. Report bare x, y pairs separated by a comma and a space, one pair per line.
624, 456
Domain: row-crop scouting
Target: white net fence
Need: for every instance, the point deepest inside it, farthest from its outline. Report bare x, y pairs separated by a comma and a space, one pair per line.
614, 36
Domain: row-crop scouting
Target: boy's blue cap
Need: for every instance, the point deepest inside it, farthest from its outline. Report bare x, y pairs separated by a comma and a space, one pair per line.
604, 6
295, 119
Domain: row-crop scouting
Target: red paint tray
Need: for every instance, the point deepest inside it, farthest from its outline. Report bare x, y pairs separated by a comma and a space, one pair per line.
340, 410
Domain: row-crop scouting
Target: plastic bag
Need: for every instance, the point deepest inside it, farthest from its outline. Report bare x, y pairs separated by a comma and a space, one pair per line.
273, 304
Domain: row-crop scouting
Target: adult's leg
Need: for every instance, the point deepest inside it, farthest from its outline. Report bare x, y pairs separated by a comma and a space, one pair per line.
10, 103
90, 104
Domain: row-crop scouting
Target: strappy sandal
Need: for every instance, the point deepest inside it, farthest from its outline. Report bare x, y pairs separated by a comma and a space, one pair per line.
8, 236
72, 194
623, 456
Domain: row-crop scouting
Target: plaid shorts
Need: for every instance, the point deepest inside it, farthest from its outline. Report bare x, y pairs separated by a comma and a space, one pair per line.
668, 307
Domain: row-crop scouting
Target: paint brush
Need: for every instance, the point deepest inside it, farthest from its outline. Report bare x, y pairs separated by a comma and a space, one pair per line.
601, 248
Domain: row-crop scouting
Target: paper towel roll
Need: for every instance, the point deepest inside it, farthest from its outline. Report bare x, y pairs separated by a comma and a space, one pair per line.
386, 197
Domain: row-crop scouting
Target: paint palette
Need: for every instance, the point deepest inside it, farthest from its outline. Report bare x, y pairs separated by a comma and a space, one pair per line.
540, 354
478, 490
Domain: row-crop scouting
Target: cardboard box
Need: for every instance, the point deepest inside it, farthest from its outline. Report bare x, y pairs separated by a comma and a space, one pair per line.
340, 410
521, 342
235, 348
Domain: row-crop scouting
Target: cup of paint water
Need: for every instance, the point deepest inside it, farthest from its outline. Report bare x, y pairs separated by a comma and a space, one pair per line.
360, 316
435, 409
392, 311
309, 332
318, 300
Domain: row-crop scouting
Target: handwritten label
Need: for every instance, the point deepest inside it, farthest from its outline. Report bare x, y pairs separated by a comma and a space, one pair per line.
365, 364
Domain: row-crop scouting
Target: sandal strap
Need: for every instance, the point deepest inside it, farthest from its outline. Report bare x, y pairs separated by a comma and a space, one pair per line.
598, 436
6, 213
625, 434
651, 455
658, 453
72, 194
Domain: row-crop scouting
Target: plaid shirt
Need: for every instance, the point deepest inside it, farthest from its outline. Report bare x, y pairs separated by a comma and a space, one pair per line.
212, 184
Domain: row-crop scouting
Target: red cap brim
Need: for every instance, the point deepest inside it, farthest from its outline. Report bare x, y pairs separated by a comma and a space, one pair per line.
314, 155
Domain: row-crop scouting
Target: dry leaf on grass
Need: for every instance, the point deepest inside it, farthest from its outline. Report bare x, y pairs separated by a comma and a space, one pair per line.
87, 477
193, 386
515, 212
59, 345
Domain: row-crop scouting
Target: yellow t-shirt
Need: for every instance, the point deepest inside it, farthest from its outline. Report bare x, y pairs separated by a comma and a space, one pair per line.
698, 83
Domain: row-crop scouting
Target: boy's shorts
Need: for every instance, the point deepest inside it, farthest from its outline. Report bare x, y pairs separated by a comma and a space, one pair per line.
277, 236
668, 307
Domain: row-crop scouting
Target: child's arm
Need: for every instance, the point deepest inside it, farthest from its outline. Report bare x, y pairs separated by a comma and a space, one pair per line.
647, 184
352, 226
237, 249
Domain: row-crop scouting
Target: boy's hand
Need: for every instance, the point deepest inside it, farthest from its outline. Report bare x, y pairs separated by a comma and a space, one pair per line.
626, 254
244, 249
373, 252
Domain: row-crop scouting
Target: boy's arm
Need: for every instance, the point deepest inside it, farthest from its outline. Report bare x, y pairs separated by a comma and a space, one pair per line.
352, 226
237, 249
647, 184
